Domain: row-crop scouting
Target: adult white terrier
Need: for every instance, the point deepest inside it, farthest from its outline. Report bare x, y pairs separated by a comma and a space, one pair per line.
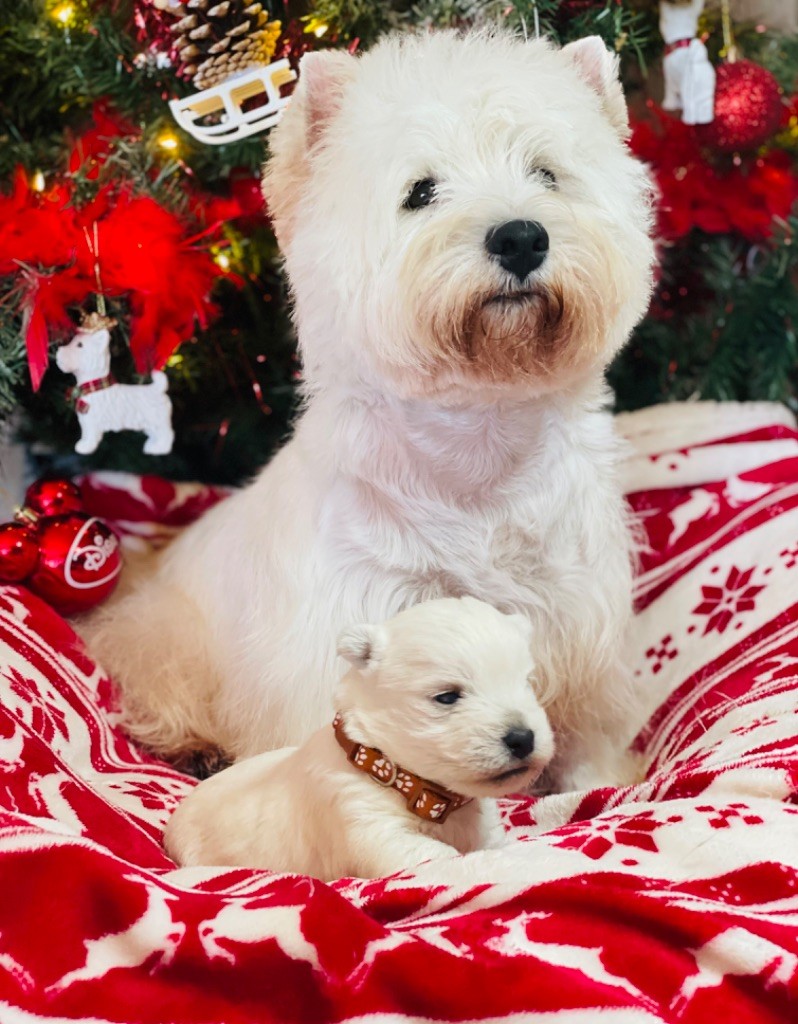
467, 240
444, 691
103, 405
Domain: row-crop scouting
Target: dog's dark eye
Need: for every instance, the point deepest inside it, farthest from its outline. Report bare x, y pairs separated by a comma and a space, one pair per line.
548, 177
80, 344
448, 697
421, 194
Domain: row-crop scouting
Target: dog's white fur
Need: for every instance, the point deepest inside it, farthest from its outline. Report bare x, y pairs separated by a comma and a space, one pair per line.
449, 445
120, 406
309, 810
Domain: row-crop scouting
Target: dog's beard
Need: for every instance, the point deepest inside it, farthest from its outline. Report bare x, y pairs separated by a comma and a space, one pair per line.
542, 334
463, 330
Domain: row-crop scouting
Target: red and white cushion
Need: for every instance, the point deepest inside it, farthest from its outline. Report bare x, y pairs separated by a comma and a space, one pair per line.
676, 899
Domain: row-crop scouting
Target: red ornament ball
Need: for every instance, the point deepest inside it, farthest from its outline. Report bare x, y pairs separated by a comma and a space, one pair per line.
53, 497
748, 108
19, 552
79, 562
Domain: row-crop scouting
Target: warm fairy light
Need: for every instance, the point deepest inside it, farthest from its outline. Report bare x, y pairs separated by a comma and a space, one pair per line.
316, 26
37, 182
64, 13
222, 260
168, 141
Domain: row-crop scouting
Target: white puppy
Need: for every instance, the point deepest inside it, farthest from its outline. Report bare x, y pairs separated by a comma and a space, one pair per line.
436, 716
467, 240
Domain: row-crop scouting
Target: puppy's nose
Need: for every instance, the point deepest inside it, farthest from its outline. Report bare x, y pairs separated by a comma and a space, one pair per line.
520, 742
520, 246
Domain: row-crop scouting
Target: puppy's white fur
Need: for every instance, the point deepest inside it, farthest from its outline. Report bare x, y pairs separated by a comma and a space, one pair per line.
309, 810
449, 444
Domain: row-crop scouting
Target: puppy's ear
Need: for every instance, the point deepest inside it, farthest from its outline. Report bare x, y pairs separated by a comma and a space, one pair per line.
363, 646
322, 79
598, 66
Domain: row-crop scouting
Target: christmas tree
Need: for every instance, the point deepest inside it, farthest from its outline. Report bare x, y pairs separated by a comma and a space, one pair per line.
110, 208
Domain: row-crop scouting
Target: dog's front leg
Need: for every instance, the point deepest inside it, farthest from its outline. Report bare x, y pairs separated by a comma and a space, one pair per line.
594, 734
90, 436
594, 761
393, 848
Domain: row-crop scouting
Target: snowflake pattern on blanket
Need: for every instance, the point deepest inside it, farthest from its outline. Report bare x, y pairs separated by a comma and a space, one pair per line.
672, 900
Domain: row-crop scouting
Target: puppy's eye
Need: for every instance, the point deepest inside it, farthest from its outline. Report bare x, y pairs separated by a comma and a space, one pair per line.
421, 194
448, 697
80, 344
549, 178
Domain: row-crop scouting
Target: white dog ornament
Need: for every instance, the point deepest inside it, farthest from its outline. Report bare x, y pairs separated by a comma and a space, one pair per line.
103, 405
689, 75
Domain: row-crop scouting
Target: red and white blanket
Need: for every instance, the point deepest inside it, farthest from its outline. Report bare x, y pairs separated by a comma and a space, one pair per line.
673, 900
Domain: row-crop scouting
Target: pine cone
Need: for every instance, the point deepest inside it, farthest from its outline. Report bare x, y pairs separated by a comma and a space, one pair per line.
219, 38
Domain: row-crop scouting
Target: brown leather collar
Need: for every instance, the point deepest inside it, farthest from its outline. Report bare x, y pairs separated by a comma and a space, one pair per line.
424, 799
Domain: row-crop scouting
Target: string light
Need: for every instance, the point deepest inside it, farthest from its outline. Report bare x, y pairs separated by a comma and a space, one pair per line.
37, 182
222, 260
64, 13
317, 27
168, 141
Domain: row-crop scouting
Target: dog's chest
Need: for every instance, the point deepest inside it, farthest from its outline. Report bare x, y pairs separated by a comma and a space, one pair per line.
542, 534
501, 563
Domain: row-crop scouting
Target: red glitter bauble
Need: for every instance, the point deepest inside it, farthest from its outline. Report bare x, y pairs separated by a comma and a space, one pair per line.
748, 108
53, 497
19, 552
79, 562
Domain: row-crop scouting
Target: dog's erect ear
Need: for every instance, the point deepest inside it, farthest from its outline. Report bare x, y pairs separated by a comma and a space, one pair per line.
598, 66
322, 79
363, 646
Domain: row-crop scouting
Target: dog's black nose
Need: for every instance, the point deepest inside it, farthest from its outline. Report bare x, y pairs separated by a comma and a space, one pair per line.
520, 246
520, 742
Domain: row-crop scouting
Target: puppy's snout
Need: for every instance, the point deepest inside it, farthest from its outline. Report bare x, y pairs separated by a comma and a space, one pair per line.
520, 742
519, 246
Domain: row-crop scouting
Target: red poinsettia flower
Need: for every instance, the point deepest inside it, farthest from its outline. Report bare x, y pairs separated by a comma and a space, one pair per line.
138, 247
747, 198
36, 228
96, 143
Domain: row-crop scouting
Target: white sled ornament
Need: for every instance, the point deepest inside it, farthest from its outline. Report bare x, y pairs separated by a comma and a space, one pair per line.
224, 105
